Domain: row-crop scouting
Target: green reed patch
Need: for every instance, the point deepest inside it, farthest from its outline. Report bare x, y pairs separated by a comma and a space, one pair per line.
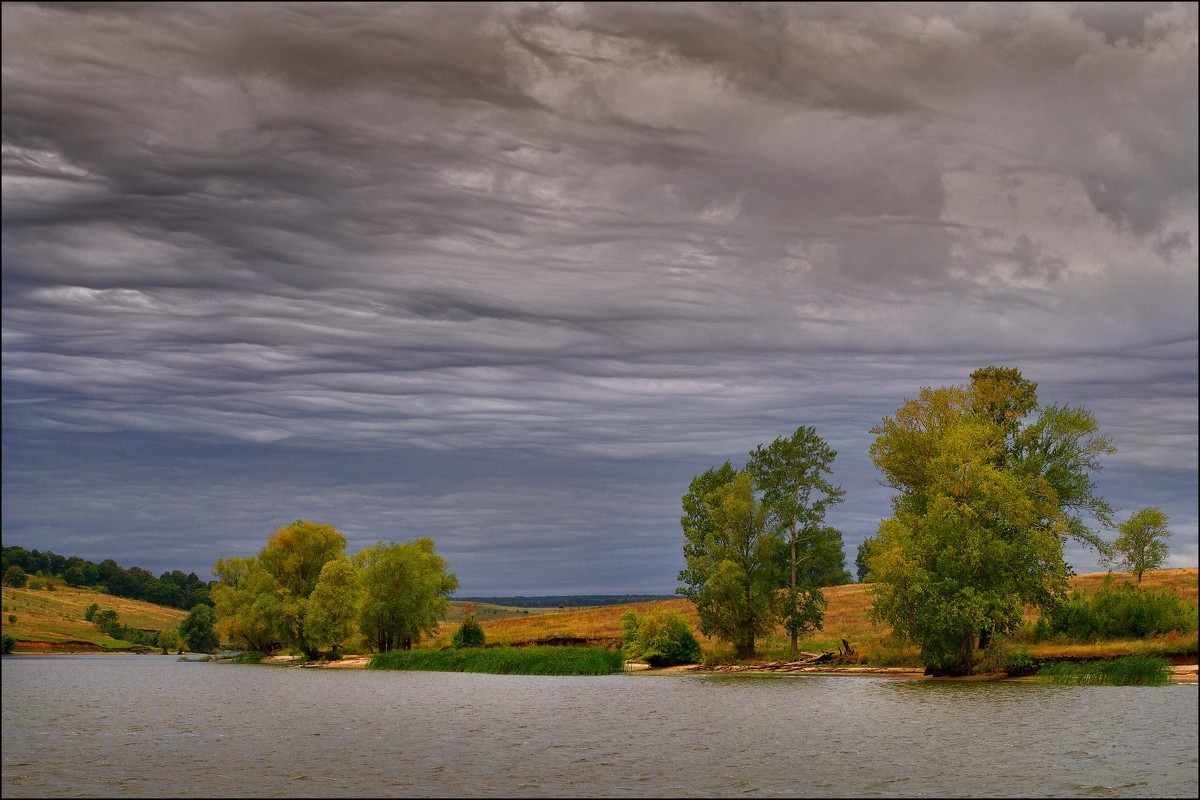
504, 660
249, 657
1127, 671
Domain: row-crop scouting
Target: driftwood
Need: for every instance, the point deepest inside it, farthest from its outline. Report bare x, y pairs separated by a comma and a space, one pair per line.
805, 660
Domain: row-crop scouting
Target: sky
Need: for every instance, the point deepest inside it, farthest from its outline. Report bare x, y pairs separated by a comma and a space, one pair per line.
511, 275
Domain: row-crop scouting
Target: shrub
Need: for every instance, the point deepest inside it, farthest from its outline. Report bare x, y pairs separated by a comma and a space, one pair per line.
469, 634
661, 639
15, 577
1019, 663
1117, 612
10, 642
90, 612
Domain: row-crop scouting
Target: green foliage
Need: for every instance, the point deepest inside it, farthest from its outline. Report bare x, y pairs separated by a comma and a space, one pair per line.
1127, 671
12, 619
862, 561
470, 633
109, 623
729, 553
197, 630
984, 503
407, 592
1142, 543
168, 640
660, 639
249, 657
15, 577
332, 615
248, 604
89, 613
1018, 663
504, 660
791, 473
1117, 612
10, 642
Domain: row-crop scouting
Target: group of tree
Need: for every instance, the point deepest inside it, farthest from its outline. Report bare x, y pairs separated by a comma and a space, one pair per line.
304, 593
173, 589
990, 485
757, 548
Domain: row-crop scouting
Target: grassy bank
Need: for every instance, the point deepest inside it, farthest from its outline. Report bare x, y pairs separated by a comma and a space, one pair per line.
505, 660
1127, 671
53, 619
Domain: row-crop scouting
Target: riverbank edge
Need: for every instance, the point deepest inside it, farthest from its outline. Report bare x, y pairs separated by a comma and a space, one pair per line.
1180, 673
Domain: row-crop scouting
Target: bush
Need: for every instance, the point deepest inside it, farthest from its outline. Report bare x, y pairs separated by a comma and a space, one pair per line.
1117, 612
661, 639
1019, 663
10, 642
469, 634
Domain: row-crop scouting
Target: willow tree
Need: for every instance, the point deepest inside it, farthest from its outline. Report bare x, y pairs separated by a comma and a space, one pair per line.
990, 485
406, 591
263, 600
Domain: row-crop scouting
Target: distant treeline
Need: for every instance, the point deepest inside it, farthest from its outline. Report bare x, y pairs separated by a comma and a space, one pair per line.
173, 589
567, 600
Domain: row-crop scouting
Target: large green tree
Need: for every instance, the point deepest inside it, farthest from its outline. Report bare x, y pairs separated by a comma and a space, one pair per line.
989, 486
247, 602
264, 601
406, 592
333, 606
730, 571
792, 474
1141, 545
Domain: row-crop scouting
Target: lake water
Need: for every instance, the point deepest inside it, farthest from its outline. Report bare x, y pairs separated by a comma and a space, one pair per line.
125, 726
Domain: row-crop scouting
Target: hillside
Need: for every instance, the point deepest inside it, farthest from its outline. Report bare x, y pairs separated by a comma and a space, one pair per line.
53, 620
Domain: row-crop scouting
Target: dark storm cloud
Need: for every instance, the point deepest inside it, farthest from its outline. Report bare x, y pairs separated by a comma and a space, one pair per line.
509, 275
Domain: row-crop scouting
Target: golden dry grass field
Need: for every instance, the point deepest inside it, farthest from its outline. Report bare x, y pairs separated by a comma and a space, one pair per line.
847, 617
56, 617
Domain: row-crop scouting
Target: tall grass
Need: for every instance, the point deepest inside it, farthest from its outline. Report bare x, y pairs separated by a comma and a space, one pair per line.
1127, 671
505, 660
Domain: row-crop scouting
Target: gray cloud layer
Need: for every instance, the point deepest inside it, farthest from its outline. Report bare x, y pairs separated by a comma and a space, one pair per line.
509, 275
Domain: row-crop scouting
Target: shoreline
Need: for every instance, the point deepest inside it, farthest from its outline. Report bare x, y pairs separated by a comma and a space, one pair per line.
1183, 674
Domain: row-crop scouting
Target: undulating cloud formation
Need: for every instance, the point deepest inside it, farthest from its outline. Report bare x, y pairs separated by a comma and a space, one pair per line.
510, 275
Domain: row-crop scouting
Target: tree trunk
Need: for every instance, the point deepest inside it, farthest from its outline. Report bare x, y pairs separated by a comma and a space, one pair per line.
795, 633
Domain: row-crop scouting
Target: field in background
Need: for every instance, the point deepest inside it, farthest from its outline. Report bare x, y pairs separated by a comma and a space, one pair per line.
56, 617
847, 617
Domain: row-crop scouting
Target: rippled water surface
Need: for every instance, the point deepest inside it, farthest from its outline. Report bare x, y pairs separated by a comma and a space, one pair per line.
154, 726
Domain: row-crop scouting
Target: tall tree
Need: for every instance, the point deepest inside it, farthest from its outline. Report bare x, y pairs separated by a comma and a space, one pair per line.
294, 556
986, 497
730, 571
406, 592
1142, 543
333, 606
793, 475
